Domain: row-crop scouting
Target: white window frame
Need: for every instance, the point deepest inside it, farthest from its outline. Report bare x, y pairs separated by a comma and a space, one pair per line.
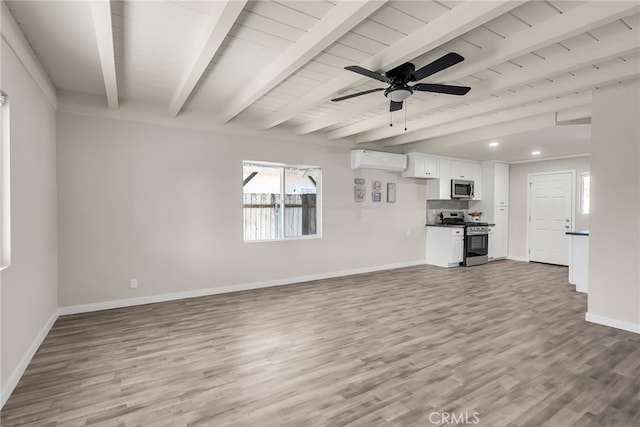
283, 167
585, 210
5, 182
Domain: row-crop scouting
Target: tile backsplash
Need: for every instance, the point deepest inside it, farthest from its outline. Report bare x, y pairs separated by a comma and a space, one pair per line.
434, 207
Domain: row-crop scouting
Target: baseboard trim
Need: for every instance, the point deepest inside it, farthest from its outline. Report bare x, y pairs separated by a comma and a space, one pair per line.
17, 373
129, 302
517, 258
614, 323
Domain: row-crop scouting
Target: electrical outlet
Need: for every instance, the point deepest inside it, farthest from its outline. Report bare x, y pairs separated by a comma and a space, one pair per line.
133, 283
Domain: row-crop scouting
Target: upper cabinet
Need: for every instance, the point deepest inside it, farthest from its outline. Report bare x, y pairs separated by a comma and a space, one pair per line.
439, 171
440, 189
496, 183
495, 189
462, 170
422, 166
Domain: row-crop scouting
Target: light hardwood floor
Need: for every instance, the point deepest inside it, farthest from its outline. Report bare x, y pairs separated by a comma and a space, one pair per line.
506, 340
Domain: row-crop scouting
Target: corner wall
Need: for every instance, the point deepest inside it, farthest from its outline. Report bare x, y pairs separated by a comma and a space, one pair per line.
29, 287
518, 198
164, 205
614, 246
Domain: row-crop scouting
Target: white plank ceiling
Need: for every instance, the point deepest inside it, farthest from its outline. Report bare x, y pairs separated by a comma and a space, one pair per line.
278, 64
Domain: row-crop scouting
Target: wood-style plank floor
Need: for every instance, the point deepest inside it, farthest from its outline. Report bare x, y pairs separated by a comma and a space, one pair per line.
506, 342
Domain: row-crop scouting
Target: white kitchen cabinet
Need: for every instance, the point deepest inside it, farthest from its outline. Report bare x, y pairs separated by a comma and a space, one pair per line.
462, 170
422, 166
501, 233
579, 262
440, 189
500, 184
445, 246
457, 249
477, 179
495, 189
492, 244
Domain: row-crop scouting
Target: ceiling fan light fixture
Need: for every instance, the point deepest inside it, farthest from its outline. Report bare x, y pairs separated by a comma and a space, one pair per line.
399, 95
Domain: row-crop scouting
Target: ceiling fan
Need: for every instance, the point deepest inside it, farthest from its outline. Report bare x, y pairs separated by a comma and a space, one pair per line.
399, 78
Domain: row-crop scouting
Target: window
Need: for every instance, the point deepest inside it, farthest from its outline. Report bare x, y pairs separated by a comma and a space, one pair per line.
5, 187
280, 201
585, 192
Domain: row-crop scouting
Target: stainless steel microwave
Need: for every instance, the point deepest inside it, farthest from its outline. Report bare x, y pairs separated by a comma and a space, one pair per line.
461, 189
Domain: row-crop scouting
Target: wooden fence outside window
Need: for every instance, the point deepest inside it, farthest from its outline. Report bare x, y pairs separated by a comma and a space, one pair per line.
261, 215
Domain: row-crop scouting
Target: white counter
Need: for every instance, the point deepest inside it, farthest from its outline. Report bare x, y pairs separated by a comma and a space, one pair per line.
579, 261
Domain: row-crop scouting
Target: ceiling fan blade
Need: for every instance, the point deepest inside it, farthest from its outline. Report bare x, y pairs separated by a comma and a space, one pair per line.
395, 106
365, 72
353, 95
439, 64
450, 90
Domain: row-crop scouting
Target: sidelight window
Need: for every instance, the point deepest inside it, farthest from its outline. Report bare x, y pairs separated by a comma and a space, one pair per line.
585, 193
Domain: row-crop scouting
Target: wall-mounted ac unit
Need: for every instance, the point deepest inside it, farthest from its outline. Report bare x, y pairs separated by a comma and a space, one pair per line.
367, 159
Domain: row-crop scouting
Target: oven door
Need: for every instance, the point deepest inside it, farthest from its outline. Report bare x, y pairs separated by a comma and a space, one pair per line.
476, 245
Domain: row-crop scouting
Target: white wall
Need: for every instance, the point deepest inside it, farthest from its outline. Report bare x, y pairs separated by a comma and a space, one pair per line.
29, 286
518, 198
164, 205
614, 240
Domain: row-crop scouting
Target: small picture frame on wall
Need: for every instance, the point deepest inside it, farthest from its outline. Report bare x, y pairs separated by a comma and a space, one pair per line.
359, 190
376, 196
391, 192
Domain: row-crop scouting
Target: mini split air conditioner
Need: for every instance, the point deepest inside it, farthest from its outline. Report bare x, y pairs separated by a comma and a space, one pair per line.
366, 159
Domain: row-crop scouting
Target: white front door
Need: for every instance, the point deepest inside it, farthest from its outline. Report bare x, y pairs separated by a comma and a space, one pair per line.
550, 217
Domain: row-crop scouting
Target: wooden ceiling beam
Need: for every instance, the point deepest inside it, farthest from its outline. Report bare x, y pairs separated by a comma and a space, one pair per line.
562, 27
101, 12
217, 29
338, 21
585, 81
576, 59
446, 27
547, 107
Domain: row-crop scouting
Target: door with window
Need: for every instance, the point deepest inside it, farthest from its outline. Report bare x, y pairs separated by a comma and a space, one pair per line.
550, 216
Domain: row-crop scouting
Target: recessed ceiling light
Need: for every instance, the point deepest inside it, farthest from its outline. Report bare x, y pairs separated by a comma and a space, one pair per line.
494, 144
535, 153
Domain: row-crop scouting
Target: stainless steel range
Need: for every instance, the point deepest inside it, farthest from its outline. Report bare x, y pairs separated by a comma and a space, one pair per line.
476, 237
476, 243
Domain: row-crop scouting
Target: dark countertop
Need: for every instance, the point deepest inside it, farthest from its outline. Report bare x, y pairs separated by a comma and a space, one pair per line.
452, 225
578, 233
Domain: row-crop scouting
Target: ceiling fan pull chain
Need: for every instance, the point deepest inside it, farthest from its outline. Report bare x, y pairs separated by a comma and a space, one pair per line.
406, 106
390, 118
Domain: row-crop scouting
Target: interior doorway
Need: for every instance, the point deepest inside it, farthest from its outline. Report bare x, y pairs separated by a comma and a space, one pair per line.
551, 211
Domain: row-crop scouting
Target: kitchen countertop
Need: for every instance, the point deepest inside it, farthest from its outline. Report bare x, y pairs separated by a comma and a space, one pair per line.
453, 225
578, 233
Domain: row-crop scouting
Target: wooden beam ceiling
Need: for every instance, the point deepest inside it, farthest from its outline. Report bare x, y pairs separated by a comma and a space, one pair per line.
217, 29
342, 18
441, 30
101, 12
